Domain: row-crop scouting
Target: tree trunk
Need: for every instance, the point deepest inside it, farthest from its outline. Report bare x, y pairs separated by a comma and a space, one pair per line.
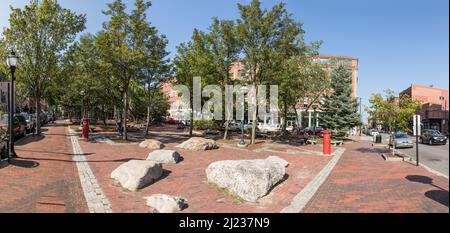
192, 116
299, 125
38, 115
255, 115
225, 135
191, 124
125, 116
147, 127
104, 115
285, 116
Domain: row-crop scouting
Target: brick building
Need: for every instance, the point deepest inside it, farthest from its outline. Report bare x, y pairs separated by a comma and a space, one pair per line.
435, 110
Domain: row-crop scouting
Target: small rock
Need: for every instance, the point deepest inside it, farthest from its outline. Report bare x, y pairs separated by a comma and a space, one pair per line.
198, 144
136, 174
165, 204
151, 144
164, 156
278, 160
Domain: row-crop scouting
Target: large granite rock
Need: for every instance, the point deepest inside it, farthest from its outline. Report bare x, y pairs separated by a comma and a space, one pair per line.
164, 156
165, 204
198, 144
136, 174
151, 144
248, 179
277, 159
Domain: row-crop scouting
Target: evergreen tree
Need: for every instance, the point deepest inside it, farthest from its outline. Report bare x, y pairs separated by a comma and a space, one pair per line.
340, 109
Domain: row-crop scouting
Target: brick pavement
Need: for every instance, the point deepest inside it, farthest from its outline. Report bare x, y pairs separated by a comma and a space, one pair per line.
363, 182
188, 178
44, 178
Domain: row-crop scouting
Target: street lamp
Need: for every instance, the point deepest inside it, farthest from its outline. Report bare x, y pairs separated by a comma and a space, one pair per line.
83, 113
11, 61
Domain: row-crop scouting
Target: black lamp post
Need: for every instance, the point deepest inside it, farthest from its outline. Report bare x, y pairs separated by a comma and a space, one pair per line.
11, 61
83, 112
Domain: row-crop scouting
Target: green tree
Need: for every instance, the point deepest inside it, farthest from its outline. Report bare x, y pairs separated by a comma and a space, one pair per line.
224, 48
194, 59
392, 112
340, 109
263, 35
154, 64
39, 34
83, 72
115, 46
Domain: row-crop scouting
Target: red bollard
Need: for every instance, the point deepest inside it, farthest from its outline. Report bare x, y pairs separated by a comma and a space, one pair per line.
85, 133
327, 142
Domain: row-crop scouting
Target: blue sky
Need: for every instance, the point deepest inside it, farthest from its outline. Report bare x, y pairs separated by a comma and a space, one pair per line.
397, 42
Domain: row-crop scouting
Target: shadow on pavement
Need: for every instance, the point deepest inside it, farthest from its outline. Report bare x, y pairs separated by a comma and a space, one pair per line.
29, 139
90, 161
370, 150
23, 163
440, 196
420, 179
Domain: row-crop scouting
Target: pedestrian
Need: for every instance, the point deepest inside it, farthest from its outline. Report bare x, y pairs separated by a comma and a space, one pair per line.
119, 128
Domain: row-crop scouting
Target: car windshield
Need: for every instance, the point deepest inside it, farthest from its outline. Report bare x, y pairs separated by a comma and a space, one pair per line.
434, 132
401, 135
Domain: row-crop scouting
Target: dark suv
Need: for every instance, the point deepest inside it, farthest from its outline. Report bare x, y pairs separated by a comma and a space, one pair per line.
432, 137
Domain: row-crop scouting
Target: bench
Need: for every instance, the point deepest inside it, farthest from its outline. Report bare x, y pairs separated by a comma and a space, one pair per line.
312, 142
337, 143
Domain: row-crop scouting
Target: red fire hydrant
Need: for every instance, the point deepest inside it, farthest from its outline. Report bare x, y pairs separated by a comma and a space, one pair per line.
327, 142
85, 133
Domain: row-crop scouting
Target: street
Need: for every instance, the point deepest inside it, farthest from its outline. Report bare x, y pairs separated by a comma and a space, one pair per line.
435, 156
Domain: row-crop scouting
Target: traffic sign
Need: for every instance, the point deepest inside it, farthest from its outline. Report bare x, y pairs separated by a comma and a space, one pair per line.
417, 129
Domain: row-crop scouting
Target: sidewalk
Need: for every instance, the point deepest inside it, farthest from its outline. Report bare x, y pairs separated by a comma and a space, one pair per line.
44, 178
363, 182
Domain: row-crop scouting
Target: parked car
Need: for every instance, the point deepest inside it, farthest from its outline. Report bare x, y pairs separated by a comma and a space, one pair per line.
401, 140
432, 137
49, 116
181, 126
233, 126
42, 118
3, 143
266, 128
19, 125
318, 131
30, 120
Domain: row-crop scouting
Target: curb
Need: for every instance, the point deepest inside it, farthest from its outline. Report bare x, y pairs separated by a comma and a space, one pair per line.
413, 162
303, 197
433, 171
